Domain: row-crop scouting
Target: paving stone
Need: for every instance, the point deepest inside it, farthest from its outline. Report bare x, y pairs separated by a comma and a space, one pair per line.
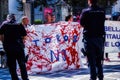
111, 72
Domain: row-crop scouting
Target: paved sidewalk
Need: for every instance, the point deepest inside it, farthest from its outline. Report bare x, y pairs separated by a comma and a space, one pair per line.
111, 72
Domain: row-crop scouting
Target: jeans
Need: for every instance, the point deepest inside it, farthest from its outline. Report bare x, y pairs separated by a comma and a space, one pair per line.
94, 48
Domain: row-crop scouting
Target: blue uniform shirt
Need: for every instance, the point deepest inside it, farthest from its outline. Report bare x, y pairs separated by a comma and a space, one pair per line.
92, 19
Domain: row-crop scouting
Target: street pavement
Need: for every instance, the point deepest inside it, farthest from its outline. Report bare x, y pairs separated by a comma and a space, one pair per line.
111, 72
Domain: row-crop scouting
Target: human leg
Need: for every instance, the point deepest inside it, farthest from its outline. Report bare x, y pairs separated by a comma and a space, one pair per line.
99, 58
91, 56
106, 57
92, 67
21, 62
11, 61
96, 51
99, 68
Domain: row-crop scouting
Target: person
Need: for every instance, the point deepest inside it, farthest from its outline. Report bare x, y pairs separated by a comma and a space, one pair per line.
49, 18
92, 19
12, 36
25, 21
69, 18
106, 57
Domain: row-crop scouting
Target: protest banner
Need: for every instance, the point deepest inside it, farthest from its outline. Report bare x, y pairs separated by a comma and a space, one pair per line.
57, 46
112, 44
53, 47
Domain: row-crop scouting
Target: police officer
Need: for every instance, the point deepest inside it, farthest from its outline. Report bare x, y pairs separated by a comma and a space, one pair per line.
92, 19
12, 36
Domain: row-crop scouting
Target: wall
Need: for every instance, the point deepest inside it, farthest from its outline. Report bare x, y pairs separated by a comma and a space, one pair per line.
3, 9
116, 7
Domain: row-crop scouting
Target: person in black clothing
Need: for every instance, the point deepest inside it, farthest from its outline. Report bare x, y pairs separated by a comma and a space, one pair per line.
69, 18
12, 35
92, 19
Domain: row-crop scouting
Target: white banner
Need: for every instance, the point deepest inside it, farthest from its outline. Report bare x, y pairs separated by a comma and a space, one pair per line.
53, 47
56, 46
112, 44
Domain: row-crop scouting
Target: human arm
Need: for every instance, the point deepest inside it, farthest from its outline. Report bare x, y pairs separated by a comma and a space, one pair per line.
83, 18
2, 32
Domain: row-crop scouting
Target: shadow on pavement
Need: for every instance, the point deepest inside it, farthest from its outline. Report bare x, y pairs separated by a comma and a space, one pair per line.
83, 71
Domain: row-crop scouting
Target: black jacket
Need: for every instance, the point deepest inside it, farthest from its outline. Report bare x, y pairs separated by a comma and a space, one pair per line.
13, 34
92, 19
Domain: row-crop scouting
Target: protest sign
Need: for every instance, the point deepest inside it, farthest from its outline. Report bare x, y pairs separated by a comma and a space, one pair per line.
53, 47
112, 44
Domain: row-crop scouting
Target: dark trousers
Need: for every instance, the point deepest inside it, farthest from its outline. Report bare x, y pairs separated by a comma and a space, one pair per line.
94, 48
13, 55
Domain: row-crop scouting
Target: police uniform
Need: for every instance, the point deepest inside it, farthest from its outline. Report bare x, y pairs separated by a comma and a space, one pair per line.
92, 19
14, 48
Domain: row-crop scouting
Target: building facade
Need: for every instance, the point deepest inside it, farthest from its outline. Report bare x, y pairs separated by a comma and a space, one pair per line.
116, 7
60, 10
3, 9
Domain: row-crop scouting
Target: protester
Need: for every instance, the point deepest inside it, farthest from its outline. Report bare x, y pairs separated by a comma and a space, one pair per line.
26, 24
69, 18
25, 21
49, 18
12, 37
92, 19
9, 19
